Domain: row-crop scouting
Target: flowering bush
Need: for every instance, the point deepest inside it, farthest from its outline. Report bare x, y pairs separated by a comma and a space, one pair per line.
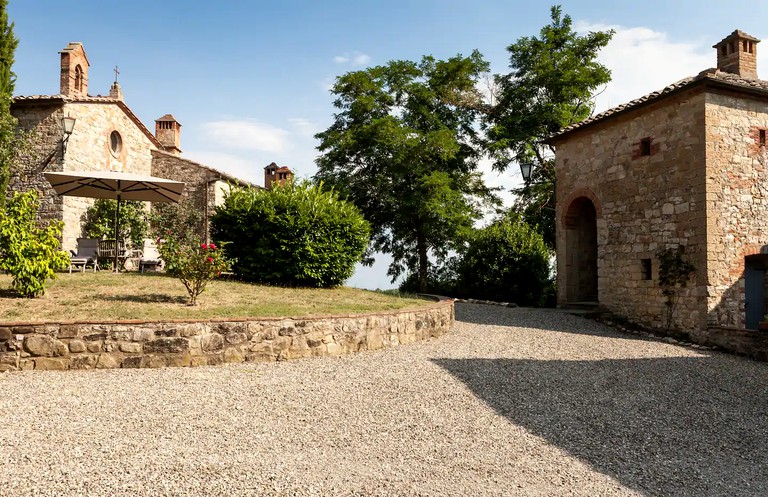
194, 265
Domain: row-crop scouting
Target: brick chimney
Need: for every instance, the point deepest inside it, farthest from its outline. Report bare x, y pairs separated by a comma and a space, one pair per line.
168, 133
737, 54
74, 70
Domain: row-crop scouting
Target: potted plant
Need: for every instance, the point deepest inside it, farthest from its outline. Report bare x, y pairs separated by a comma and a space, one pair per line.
763, 325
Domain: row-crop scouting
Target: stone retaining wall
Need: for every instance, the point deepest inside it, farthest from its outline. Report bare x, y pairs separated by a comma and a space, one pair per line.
751, 343
141, 344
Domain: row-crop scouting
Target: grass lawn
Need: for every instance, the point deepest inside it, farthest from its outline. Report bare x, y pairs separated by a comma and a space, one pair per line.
108, 296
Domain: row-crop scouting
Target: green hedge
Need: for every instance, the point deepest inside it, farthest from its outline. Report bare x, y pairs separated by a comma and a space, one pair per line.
293, 235
508, 261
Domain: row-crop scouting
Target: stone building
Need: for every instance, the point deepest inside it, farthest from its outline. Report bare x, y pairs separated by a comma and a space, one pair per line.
276, 174
107, 136
687, 166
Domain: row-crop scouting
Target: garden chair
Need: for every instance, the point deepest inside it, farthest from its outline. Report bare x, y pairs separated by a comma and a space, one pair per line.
87, 254
150, 256
107, 250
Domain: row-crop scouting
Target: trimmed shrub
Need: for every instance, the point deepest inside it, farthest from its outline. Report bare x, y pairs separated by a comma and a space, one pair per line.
507, 261
293, 235
28, 252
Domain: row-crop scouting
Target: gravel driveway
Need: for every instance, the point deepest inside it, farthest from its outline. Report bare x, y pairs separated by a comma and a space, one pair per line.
511, 402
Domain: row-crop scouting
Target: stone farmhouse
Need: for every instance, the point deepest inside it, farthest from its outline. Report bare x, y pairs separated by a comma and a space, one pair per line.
107, 136
686, 165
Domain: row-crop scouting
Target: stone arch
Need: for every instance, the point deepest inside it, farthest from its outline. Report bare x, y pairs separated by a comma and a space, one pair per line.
580, 227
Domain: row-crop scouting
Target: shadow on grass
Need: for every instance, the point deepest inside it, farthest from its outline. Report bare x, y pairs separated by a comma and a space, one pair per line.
683, 426
145, 298
7, 293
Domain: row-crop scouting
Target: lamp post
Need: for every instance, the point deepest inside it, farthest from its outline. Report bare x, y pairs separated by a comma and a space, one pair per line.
525, 170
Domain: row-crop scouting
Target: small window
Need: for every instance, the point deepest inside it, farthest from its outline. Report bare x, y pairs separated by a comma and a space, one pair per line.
646, 269
115, 143
645, 146
761, 138
78, 78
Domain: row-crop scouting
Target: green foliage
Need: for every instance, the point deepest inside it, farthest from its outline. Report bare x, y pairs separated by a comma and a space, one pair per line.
132, 225
8, 124
552, 85
403, 149
507, 261
194, 265
294, 235
674, 274
28, 252
184, 220
442, 279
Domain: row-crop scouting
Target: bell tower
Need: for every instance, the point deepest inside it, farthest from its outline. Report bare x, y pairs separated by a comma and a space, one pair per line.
74, 70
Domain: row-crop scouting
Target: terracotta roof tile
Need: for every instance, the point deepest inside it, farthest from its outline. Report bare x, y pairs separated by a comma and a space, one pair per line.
706, 76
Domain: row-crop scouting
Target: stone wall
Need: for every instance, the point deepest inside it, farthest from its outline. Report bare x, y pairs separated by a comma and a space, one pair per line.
203, 187
45, 120
737, 200
751, 343
138, 344
88, 149
644, 203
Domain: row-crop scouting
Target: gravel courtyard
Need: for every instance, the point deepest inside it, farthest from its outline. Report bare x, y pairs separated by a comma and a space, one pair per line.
511, 402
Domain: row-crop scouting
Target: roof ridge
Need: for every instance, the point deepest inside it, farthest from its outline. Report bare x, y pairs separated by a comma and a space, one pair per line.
710, 74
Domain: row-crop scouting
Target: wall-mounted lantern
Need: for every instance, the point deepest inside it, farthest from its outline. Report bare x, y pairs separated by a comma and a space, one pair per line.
69, 125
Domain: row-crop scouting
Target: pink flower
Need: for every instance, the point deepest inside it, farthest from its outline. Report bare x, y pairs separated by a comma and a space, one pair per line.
169, 232
212, 246
203, 246
210, 259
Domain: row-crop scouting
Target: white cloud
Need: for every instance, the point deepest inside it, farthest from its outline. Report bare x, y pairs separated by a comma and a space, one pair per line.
354, 58
304, 127
247, 135
642, 60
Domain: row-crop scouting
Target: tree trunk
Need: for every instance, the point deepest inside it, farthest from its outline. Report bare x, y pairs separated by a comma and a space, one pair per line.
421, 247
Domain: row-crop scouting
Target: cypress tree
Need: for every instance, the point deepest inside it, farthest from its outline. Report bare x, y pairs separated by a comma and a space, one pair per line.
8, 124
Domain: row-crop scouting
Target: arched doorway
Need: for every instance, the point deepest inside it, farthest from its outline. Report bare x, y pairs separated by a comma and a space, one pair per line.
581, 251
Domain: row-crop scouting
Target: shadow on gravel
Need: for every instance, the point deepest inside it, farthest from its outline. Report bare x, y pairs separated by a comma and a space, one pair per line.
547, 319
669, 426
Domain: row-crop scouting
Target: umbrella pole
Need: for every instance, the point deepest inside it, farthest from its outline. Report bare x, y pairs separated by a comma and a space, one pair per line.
117, 217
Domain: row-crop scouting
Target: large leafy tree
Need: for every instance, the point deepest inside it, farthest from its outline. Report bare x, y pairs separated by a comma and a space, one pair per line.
9, 138
553, 83
403, 149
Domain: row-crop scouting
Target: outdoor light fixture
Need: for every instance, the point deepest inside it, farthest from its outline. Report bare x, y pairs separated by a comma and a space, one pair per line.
525, 170
69, 126
68, 123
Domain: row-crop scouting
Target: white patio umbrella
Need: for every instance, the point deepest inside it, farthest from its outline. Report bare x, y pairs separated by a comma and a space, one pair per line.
117, 186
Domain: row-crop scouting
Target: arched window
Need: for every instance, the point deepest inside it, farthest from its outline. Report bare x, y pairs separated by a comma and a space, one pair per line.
78, 78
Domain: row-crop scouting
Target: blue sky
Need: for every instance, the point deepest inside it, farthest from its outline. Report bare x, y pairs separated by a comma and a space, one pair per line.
249, 80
